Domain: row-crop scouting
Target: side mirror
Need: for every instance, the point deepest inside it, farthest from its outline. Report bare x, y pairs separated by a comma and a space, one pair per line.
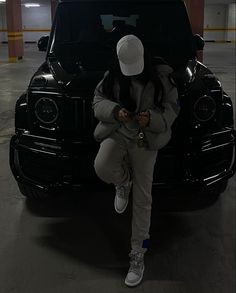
43, 43
198, 42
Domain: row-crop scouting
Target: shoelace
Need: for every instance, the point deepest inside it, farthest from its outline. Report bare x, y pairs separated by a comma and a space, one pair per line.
136, 263
120, 191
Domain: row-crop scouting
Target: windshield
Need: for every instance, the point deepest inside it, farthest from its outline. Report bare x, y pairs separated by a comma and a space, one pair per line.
87, 32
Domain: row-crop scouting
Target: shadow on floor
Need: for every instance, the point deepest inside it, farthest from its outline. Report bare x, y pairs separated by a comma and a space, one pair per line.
88, 229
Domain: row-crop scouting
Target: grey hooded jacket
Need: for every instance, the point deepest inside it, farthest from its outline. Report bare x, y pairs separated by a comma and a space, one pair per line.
158, 131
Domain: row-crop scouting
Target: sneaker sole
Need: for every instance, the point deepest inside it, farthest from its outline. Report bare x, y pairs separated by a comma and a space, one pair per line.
120, 211
136, 283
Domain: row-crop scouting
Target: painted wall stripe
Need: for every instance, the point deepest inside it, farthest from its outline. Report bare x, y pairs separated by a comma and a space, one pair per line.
14, 34
12, 59
36, 30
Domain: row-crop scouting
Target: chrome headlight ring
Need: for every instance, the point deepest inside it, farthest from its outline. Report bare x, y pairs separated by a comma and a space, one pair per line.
46, 110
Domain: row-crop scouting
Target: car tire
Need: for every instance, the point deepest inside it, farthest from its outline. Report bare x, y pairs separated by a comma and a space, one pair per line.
33, 193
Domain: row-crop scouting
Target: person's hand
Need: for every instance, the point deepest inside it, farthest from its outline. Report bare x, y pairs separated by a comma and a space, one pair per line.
123, 115
143, 119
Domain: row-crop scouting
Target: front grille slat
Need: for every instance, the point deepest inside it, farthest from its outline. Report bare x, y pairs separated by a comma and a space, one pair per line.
76, 117
84, 116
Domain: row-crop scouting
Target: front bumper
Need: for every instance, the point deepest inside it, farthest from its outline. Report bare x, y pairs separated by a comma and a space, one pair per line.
51, 164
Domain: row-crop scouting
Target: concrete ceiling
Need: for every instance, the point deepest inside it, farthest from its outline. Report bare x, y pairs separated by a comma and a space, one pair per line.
206, 1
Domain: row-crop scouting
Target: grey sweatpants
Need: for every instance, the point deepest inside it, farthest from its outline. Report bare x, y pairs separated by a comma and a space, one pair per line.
118, 161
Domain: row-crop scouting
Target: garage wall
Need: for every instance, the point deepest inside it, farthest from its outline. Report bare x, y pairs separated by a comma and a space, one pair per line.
215, 22
231, 33
36, 21
219, 22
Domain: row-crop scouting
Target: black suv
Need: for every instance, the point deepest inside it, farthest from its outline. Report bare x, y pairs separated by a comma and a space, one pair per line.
53, 148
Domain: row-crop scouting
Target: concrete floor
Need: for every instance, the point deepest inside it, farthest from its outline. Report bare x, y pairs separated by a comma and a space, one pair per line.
81, 245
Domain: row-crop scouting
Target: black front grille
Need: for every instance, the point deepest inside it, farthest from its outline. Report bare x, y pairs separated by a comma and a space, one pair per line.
75, 119
51, 169
40, 168
78, 117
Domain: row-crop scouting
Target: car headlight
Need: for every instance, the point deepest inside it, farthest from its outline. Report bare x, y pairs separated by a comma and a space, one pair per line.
204, 108
46, 110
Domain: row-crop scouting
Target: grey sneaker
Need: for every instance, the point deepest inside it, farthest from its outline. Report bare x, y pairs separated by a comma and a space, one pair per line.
136, 270
122, 197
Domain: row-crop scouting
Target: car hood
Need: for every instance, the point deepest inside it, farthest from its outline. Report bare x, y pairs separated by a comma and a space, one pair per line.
82, 80
76, 80
53, 75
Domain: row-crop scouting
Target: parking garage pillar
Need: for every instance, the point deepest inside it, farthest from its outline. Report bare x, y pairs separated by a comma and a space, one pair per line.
231, 21
53, 8
14, 30
196, 15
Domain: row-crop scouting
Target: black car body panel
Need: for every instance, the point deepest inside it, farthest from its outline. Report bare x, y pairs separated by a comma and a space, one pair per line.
53, 147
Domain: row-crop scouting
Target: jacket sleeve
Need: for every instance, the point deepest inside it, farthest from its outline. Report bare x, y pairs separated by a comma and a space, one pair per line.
104, 109
161, 119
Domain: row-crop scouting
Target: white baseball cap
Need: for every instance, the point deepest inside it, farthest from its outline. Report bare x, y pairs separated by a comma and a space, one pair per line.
130, 52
